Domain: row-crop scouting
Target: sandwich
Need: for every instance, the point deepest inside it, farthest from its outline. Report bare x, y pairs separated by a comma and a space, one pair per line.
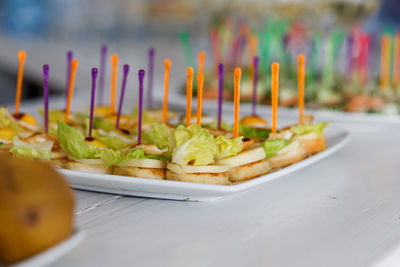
254, 127
40, 146
21, 125
247, 162
83, 153
148, 160
193, 152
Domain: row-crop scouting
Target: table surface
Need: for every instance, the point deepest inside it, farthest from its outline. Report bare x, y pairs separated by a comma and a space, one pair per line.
342, 211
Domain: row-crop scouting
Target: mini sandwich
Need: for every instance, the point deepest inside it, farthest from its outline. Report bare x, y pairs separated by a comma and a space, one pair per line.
193, 152
40, 146
281, 152
310, 137
83, 154
22, 126
147, 160
142, 161
254, 127
246, 162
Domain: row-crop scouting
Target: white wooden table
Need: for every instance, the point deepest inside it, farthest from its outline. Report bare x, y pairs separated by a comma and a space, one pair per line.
342, 211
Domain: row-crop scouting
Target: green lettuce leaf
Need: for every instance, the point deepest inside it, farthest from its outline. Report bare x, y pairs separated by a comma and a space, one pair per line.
112, 157
1, 143
73, 141
112, 142
251, 132
31, 151
317, 128
272, 147
158, 135
227, 147
192, 144
5, 121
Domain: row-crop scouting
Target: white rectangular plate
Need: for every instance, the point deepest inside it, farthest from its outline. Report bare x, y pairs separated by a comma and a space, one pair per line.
132, 186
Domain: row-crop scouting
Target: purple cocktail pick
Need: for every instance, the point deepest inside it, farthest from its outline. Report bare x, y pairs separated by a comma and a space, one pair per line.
70, 56
141, 77
150, 77
103, 55
220, 92
121, 99
94, 77
255, 81
46, 97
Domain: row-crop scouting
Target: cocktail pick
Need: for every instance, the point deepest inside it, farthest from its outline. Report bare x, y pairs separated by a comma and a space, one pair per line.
236, 100
167, 67
189, 92
186, 47
150, 79
74, 66
396, 60
121, 99
70, 56
301, 75
200, 82
46, 97
274, 93
102, 74
113, 93
141, 77
214, 39
220, 92
202, 59
21, 59
94, 77
385, 62
255, 81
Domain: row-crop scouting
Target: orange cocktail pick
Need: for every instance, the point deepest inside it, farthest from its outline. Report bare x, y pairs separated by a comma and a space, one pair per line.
202, 60
113, 92
236, 100
301, 74
200, 81
253, 47
189, 90
21, 58
396, 58
274, 93
385, 62
74, 66
167, 67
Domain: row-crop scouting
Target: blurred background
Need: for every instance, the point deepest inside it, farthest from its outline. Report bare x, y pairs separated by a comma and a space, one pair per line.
47, 29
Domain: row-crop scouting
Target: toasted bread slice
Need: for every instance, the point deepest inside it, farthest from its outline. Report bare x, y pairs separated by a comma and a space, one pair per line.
291, 154
312, 143
202, 178
87, 167
140, 172
249, 171
58, 163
